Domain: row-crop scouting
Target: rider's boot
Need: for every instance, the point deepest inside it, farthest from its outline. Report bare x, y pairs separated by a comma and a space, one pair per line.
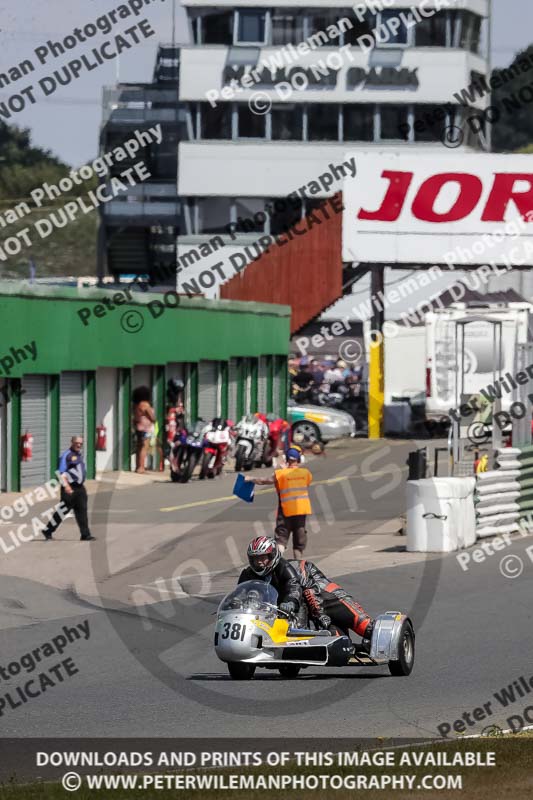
367, 636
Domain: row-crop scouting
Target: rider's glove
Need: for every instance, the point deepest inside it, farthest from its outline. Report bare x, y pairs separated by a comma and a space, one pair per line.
324, 621
288, 608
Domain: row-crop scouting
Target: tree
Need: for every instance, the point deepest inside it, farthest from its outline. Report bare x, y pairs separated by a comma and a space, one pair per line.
22, 166
513, 102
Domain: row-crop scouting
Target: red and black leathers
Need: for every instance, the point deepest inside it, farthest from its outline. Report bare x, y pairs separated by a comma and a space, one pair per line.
284, 578
323, 597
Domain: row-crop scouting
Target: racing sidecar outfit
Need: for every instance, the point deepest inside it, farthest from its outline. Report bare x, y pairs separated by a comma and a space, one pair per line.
284, 578
327, 599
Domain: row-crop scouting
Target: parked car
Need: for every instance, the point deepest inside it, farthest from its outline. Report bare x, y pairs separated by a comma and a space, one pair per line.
319, 423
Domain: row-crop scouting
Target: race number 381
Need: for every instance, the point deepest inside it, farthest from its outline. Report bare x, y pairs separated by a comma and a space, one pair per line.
235, 631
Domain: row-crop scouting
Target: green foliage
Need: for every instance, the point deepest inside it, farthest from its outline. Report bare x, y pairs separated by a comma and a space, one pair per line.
23, 167
514, 129
67, 251
16, 148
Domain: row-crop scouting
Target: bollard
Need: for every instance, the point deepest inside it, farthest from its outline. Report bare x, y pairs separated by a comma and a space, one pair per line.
417, 463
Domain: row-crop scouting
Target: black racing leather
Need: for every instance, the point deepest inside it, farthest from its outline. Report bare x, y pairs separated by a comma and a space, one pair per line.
284, 578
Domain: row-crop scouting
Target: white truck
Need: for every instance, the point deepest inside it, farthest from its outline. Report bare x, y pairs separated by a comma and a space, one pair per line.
485, 365
422, 359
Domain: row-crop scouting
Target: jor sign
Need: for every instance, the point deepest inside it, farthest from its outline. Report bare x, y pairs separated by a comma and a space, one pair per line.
415, 209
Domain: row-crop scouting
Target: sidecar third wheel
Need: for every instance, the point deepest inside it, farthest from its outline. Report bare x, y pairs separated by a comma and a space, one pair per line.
289, 670
241, 671
406, 650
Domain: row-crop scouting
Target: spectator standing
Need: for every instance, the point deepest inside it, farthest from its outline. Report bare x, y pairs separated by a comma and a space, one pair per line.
303, 381
293, 367
292, 485
144, 421
316, 371
333, 374
72, 471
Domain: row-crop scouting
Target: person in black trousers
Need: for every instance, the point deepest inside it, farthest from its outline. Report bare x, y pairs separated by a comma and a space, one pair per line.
72, 471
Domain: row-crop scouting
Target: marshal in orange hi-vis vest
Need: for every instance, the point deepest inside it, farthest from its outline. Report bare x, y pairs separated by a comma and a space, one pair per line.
292, 486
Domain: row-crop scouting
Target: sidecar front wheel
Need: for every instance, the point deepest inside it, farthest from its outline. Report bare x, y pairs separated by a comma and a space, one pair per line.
241, 671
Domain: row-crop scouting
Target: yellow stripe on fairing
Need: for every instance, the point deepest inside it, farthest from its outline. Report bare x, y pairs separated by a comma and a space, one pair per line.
278, 631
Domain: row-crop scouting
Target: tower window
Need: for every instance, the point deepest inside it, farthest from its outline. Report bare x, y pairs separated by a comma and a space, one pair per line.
251, 26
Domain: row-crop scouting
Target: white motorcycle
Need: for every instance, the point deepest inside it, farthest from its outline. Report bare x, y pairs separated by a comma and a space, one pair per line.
252, 632
250, 444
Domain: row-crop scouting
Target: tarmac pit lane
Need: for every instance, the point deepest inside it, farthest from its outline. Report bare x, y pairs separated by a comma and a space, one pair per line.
37, 685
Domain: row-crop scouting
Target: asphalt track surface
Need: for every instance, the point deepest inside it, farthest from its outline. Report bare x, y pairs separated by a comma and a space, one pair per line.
155, 674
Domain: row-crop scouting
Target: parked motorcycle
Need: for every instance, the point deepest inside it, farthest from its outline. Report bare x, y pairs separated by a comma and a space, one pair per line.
216, 442
250, 443
186, 452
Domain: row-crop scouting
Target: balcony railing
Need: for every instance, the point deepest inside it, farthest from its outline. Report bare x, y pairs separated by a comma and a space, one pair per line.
154, 211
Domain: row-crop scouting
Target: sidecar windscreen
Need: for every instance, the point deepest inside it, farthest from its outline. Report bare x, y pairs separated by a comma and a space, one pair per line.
250, 596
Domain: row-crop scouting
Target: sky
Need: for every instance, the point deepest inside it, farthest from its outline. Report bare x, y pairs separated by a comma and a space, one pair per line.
68, 122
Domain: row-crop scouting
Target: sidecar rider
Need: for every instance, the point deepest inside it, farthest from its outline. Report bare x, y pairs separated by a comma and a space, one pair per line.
266, 563
328, 604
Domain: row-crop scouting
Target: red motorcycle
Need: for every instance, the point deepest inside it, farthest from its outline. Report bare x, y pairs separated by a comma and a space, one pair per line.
217, 439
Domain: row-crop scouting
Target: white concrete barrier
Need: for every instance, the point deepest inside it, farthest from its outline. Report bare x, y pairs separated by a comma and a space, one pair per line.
440, 514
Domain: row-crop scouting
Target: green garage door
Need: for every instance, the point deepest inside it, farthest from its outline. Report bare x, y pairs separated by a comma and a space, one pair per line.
35, 419
208, 390
247, 380
280, 386
262, 381
3, 436
233, 383
72, 420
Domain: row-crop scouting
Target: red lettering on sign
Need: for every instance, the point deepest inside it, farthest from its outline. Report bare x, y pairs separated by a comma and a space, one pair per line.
502, 193
470, 191
392, 205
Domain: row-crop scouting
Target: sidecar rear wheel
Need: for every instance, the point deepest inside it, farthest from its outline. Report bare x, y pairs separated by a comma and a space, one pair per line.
404, 665
241, 671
